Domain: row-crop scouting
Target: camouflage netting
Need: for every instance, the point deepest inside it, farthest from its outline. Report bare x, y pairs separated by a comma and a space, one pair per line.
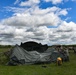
33, 53
34, 46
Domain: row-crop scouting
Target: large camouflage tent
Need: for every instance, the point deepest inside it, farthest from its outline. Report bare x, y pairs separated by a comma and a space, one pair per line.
20, 55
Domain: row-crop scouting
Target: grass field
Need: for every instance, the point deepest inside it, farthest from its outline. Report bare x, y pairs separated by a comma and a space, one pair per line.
67, 68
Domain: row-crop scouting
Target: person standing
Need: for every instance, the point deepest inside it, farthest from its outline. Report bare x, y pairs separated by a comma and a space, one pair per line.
59, 61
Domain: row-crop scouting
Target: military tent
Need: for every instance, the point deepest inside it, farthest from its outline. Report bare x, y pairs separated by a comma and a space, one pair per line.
21, 56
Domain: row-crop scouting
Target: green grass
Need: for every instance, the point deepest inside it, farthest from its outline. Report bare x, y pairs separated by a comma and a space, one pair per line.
67, 68
4, 49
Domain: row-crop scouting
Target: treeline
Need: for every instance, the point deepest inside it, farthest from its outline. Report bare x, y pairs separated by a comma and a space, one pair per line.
74, 45
6, 46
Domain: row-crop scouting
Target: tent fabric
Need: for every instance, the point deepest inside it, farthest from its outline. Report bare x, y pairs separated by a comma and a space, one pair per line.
74, 48
22, 56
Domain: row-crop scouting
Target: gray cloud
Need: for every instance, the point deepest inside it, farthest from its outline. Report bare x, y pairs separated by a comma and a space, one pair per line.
6, 36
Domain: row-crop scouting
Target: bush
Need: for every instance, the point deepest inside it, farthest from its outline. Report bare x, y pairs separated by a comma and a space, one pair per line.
3, 59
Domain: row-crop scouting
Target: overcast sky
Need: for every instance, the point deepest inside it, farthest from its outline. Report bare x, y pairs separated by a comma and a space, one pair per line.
44, 21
